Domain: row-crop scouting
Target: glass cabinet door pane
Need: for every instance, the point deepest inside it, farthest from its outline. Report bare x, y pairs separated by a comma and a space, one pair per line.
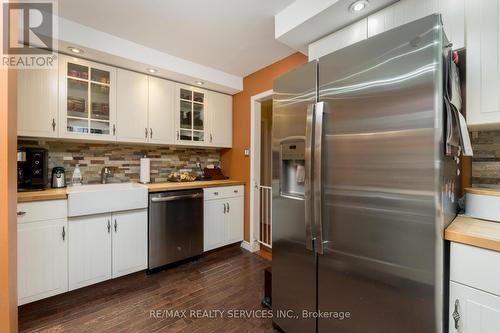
100, 76
198, 136
100, 101
77, 98
198, 116
78, 125
198, 97
185, 115
99, 127
78, 71
186, 135
186, 94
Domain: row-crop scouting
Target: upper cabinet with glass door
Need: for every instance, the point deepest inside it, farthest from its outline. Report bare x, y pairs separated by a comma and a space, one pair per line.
87, 99
190, 112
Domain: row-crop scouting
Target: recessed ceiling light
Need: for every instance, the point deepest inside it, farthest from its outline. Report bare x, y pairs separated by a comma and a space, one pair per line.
152, 70
358, 6
75, 50
200, 83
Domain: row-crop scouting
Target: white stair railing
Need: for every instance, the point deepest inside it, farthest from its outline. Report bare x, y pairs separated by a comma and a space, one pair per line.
265, 218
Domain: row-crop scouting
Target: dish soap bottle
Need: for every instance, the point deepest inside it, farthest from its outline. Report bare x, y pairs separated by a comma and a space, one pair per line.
77, 176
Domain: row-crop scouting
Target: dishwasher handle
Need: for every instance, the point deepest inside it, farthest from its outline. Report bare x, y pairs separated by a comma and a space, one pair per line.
177, 197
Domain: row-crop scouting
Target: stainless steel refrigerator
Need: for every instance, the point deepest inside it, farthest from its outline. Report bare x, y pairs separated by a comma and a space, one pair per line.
362, 189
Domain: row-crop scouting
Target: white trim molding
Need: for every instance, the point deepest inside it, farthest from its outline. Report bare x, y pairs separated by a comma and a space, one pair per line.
254, 247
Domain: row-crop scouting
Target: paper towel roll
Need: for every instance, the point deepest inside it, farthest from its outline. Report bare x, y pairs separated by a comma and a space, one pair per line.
145, 173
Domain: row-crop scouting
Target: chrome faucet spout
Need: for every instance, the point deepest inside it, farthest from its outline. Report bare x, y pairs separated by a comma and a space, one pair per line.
105, 173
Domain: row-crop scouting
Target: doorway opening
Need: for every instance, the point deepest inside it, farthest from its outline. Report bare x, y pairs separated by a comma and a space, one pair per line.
261, 173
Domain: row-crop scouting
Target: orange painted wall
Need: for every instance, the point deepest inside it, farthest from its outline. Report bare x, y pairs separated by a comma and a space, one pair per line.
234, 163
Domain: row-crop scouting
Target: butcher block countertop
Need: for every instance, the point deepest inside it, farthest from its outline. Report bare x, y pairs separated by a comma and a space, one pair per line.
61, 193
483, 191
160, 187
475, 232
48, 194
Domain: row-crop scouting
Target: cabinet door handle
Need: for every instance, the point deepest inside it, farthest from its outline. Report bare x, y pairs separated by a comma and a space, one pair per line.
21, 213
53, 125
116, 226
228, 207
224, 208
109, 226
178, 136
63, 234
114, 129
456, 314
146, 132
210, 137
150, 133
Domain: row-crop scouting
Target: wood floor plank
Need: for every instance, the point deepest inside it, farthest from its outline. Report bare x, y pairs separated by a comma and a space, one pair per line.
228, 279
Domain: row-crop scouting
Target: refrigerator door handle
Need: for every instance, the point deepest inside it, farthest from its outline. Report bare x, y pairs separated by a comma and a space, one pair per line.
317, 190
308, 181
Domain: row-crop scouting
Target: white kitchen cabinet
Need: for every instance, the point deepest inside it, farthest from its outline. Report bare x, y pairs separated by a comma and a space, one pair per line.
161, 111
214, 212
129, 241
405, 11
42, 259
87, 100
478, 311
483, 64
474, 289
37, 103
400, 13
220, 110
223, 216
132, 107
234, 219
453, 16
89, 250
347, 36
190, 115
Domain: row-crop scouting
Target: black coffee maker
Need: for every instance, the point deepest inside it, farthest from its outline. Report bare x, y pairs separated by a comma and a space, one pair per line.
32, 166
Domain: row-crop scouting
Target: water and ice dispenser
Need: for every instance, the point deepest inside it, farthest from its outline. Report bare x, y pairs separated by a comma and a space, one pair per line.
293, 172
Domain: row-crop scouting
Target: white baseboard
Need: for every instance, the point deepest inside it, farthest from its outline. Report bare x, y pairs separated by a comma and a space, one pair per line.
250, 247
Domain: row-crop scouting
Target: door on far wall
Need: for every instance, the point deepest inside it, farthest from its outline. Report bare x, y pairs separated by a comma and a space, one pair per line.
265, 189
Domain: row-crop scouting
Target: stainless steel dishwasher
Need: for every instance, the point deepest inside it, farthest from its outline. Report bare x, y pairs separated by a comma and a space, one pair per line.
175, 229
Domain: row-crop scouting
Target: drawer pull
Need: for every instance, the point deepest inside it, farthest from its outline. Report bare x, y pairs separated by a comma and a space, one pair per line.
21, 213
235, 191
456, 314
216, 193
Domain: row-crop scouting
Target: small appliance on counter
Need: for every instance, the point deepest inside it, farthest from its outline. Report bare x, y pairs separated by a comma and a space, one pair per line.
58, 177
482, 203
32, 169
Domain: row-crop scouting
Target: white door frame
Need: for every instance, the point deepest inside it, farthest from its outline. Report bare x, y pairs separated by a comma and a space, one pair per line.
255, 117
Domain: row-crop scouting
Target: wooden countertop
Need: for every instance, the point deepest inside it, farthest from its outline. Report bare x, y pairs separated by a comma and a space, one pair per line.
159, 187
48, 194
475, 232
483, 191
61, 193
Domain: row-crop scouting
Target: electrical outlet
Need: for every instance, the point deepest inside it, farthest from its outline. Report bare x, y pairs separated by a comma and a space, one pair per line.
246, 152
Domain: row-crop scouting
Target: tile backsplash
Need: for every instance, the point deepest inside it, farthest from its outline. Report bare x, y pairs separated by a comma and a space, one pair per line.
486, 160
123, 159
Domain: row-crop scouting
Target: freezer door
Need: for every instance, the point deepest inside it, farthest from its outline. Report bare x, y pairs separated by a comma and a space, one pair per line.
380, 163
293, 265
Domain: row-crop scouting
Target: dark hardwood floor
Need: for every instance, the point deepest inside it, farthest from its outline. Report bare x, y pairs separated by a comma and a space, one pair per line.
228, 279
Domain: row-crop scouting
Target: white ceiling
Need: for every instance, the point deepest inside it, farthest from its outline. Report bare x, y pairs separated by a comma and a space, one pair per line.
234, 36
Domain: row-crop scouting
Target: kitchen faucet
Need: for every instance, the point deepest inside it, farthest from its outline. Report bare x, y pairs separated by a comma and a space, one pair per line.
105, 173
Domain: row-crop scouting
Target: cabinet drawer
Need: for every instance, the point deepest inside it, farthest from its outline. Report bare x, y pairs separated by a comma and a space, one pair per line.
212, 193
475, 267
42, 210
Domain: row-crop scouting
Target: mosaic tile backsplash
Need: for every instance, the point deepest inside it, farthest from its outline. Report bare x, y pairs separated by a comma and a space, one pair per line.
486, 160
122, 159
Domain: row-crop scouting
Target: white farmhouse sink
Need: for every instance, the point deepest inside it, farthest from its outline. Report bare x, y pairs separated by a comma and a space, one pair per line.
106, 198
